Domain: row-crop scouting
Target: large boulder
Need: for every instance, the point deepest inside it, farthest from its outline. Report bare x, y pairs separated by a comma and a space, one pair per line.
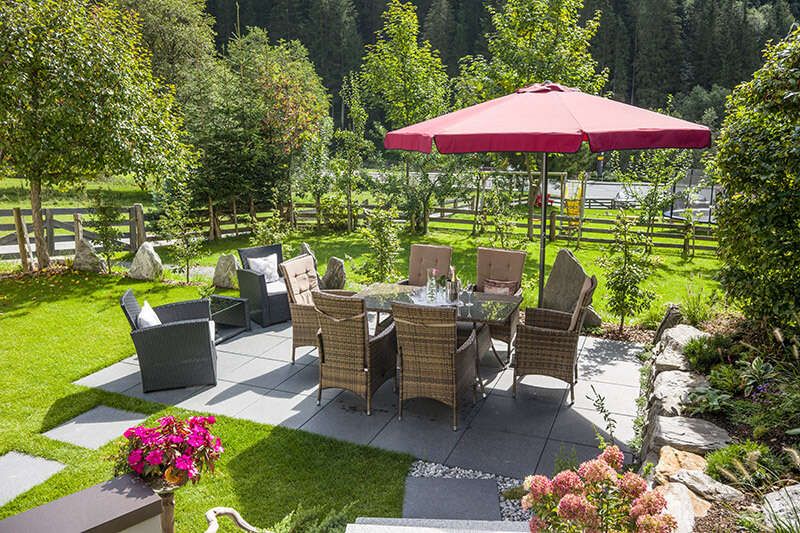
687, 434
672, 389
146, 263
670, 359
564, 285
679, 336
671, 461
683, 505
335, 276
225, 271
87, 259
706, 486
672, 317
782, 507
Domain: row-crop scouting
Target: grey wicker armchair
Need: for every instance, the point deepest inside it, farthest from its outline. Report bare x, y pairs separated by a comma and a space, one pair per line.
434, 360
178, 353
349, 357
269, 302
300, 276
547, 343
506, 266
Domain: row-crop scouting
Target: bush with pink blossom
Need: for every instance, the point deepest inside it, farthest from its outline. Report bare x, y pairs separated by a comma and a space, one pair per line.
597, 497
170, 454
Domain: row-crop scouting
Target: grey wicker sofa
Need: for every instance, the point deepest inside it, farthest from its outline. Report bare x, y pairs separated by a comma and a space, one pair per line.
269, 302
178, 353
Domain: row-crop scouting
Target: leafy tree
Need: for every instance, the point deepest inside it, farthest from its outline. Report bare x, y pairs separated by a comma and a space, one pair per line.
400, 75
627, 267
757, 164
439, 30
177, 221
78, 100
178, 33
381, 233
657, 52
313, 172
106, 217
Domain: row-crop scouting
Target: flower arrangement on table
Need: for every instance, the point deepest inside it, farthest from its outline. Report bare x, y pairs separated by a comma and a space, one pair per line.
171, 454
594, 498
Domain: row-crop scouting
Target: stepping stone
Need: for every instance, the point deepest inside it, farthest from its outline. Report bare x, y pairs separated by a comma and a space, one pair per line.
20, 472
463, 499
96, 427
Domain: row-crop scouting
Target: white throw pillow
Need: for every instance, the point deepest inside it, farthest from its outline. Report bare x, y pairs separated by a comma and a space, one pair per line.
268, 266
147, 317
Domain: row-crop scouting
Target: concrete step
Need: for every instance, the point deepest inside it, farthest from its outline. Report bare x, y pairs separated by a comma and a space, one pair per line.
424, 525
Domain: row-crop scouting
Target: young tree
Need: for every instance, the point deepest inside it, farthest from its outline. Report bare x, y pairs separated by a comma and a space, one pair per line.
106, 217
177, 220
313, 174
627, 267
757, 164
78, 100
352, 143
381, 233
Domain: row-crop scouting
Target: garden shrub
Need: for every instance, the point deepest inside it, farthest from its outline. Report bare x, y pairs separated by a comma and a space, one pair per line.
272, 230
697, 305
105, 216
381, 233
705, 352
333, 207
756, 163
726, 378
747, 464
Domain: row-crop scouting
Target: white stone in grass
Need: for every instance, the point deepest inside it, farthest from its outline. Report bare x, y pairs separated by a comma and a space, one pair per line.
225, 271
688, 434
146, 264
87, 259
782, 508
706, 486
678, 337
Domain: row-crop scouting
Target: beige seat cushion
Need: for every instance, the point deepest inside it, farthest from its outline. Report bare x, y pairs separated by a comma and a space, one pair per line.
425, 256
301, 279
586, 288
500, 265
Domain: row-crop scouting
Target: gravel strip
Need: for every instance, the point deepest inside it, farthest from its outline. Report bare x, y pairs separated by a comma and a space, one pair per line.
510, 510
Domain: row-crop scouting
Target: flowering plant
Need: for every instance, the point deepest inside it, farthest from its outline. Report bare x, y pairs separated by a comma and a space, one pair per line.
596, 498
170, 454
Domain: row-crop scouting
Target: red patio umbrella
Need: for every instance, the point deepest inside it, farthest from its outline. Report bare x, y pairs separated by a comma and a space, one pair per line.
548, 118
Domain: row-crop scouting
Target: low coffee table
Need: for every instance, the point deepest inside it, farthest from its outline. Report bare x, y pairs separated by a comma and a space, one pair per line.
231, 316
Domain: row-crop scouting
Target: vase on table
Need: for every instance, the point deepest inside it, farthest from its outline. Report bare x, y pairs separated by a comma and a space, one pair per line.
166, 491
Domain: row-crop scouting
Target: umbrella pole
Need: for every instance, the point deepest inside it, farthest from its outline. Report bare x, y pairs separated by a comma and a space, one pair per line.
543, 234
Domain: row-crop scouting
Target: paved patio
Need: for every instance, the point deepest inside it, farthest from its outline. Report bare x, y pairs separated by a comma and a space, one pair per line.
499, 435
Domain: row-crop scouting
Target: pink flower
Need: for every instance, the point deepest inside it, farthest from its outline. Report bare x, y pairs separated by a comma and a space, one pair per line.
166, 421
651, 502
631, 485
536, 524
129, 433
138, 468
184, 462
538, 487
211, 419
567, 482
596, 471
135, 456
218, 446
577, 508
155, 457
662, 523
196, 440
175, 439
613, 457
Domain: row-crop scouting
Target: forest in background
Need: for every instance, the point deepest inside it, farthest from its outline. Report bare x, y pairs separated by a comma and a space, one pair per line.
693, 50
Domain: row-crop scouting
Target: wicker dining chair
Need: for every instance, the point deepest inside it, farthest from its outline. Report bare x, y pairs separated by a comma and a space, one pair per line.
421, 257
300, 276
547, 343
504, 266
349, 357
434, 361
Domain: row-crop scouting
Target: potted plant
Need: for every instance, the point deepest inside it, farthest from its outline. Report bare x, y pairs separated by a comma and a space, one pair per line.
168, 456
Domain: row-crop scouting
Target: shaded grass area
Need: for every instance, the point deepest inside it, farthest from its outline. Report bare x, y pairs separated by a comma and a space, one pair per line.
123, 191
669, 281
57, 329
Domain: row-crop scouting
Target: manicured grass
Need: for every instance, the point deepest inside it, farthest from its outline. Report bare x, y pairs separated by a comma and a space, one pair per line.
57, 329
14, 193
669, 281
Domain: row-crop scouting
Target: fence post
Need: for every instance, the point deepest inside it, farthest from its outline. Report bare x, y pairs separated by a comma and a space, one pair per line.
132, 230
25, 252
552, 225
137, 230
78, 221
50, 230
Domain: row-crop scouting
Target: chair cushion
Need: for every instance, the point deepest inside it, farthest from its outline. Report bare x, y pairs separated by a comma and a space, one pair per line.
276, 287
495, 286
495, 263
300, 276
578, 312
147, 317
267, 266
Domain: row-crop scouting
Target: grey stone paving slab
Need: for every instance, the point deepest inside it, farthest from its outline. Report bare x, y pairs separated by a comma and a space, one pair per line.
251, 343
499, 452
578, 426
265, 373
568, 451
609, 361
118, 377
532, 386
284, 329
96, 427
285, 409
304, 381
619, 399
20, 472
345, 418
227, 363
462, 499
282, 352
524, 415
168, 397
224, 399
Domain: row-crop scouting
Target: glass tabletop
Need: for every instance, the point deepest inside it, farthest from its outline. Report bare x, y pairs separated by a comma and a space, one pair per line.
223, 303
489, 308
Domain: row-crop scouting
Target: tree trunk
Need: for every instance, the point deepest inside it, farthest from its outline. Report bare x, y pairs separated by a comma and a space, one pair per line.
317, 203
42, 256
235, 219
291, 215
477, 204
350, 221
426, 213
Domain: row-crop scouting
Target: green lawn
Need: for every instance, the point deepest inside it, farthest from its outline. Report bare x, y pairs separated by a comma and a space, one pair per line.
669, 281
56, 329
14, 193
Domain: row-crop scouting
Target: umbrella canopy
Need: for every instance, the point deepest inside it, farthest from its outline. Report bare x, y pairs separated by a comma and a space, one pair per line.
549, 118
